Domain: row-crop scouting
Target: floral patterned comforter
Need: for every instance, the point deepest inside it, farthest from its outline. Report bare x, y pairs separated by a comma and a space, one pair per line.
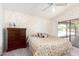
51, 46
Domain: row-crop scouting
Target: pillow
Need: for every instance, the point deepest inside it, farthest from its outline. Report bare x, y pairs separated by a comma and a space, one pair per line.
40, 35
45, 35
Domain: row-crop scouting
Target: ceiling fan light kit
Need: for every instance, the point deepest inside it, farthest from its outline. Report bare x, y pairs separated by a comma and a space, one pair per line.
53, 9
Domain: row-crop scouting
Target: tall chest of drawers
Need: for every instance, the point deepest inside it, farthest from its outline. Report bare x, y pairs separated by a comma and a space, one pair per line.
16, 38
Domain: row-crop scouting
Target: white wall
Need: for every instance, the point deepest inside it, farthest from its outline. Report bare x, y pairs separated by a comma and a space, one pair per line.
1, 29
32, 23
71, 13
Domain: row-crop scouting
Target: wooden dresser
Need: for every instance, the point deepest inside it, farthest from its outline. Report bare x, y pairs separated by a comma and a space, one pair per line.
16, 38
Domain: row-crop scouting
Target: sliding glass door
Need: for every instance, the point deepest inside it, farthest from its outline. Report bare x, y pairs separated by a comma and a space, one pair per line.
61, 30
66, 30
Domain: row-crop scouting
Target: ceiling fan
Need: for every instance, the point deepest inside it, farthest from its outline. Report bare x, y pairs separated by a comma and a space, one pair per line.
54, 4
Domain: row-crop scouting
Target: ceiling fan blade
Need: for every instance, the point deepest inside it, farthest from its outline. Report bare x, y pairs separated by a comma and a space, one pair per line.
46, 7
54, 4
60, 4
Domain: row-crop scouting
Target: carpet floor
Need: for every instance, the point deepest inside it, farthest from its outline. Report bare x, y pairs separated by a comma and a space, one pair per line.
19, 52
27, 52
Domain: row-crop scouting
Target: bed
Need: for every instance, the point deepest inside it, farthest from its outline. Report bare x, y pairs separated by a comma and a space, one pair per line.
49, 46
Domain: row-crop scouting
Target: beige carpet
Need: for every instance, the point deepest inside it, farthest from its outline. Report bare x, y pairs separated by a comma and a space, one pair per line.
19, 52
27, 52
74, 51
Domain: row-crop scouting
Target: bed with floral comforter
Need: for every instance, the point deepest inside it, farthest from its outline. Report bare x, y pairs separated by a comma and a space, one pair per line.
51, 46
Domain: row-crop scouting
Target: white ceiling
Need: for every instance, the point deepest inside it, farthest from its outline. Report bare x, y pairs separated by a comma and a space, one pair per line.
35, 9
